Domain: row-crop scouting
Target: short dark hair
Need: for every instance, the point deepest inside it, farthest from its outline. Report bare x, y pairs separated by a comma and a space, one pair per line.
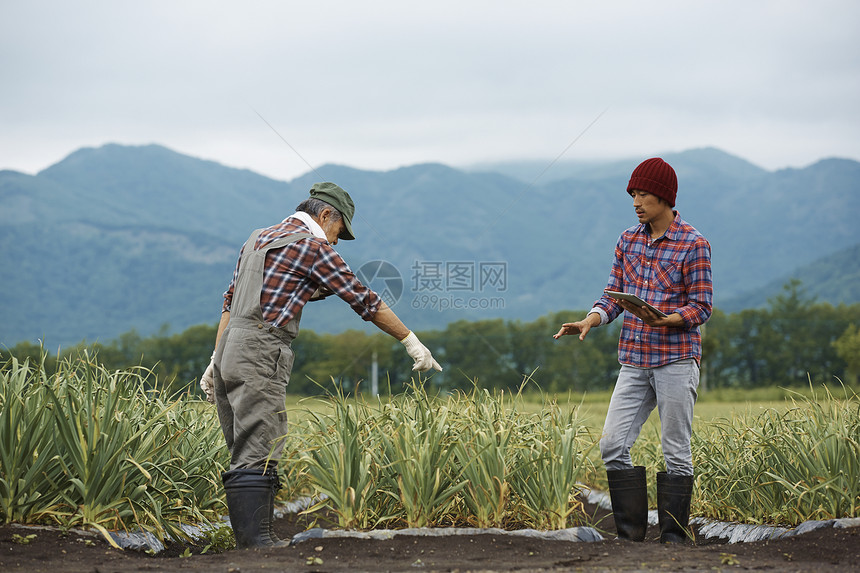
314, 207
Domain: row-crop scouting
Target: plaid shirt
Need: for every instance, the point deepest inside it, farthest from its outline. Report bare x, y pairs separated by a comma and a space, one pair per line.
292, 274
673, 273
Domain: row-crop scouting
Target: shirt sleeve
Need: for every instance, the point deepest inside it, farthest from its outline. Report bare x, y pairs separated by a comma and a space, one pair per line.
606, 306
330, 270
698, 284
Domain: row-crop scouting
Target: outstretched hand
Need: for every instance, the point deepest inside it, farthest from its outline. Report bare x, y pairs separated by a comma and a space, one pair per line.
424, 360
580, 327
570, 328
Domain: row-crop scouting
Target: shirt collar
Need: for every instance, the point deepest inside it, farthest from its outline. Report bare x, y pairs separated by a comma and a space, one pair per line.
671, 232
314, 227
674, 228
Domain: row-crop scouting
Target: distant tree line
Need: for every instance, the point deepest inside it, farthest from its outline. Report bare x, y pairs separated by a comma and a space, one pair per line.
792, 339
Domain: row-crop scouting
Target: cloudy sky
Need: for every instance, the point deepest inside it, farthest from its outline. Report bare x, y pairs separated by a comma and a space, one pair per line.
381, 84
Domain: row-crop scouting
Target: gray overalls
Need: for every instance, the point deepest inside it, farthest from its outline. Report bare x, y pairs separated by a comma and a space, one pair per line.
253, 362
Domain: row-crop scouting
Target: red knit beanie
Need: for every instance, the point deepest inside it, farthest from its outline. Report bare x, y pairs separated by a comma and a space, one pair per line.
657, 177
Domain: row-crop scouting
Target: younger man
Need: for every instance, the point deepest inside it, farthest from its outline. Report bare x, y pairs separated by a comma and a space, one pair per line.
667, 263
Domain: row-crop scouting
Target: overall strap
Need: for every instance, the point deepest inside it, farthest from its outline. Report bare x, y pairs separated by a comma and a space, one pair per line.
249, 282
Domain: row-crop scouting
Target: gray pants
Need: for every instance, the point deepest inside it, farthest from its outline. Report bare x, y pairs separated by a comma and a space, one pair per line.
253, 362
252, 373
672, 389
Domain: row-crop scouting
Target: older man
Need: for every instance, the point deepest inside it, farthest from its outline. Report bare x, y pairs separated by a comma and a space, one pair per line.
280, 269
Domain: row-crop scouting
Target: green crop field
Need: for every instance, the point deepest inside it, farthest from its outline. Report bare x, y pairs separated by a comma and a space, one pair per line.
91, 447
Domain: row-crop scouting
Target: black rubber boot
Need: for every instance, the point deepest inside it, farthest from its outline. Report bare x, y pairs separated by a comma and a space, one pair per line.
250, 499
275, 481
673, 506
629, 494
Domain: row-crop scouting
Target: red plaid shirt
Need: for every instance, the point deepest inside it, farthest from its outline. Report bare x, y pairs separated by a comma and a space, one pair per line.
292, 274
672, 273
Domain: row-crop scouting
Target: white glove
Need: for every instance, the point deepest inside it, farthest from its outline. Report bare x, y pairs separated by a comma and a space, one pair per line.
207, 381
423, 359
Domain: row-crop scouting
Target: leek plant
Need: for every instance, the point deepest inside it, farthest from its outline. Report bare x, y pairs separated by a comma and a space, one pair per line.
338, 461
484, 454
28, 471
551, 461
91, 448
422, 461
416, 437
782, 467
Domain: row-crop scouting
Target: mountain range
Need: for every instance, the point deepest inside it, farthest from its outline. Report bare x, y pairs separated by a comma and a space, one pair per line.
117, 238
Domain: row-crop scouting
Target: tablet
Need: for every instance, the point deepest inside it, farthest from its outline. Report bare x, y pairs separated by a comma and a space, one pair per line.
635, 300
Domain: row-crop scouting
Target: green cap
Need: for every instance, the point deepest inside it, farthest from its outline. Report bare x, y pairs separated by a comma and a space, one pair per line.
340, 200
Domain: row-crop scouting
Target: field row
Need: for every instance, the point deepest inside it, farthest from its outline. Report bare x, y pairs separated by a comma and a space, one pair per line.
97, 448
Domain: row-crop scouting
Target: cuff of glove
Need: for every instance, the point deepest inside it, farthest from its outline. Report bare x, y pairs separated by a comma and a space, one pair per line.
411, 342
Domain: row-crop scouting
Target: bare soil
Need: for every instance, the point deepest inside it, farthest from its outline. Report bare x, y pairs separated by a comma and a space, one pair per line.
822, 550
